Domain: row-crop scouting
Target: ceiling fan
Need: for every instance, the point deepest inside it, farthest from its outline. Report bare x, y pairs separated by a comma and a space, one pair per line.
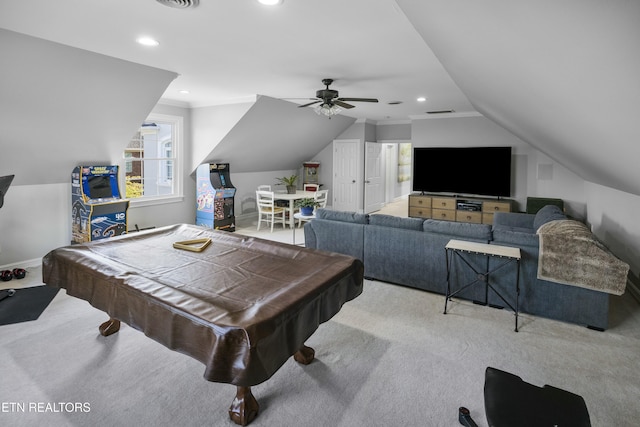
329, 98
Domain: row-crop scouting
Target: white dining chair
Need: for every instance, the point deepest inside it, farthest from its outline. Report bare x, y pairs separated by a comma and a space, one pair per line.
267, 210
321, 197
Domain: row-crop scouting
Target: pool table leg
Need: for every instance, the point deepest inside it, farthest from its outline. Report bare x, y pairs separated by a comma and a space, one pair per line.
109, 327
305, 355
244, 407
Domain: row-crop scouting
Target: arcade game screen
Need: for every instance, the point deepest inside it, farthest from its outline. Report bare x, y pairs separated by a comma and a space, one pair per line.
100, 187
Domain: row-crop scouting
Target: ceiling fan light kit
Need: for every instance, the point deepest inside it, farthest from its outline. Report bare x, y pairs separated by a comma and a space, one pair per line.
327, 110
330, 103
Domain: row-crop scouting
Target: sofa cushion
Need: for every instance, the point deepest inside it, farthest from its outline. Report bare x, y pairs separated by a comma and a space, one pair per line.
514, 237
458, 229
513, 221
527, 230
546, 214
396, 222
352, 217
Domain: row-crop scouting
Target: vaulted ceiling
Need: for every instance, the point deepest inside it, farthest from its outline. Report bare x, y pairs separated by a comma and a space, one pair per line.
562, 76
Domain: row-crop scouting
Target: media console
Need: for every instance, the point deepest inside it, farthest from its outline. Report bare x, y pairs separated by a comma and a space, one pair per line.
454, 208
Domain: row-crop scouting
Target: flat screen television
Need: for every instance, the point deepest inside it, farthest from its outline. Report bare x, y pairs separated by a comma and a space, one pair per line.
484, 171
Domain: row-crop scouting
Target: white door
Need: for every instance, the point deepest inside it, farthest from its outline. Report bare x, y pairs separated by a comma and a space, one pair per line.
346, 175
373, 177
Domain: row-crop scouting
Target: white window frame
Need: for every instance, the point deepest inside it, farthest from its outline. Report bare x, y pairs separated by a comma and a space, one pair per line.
178, 136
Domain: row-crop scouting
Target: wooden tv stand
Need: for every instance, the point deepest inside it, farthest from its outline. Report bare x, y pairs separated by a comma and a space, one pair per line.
456, 208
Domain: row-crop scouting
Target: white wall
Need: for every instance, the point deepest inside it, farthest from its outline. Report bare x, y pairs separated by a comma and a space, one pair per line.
613, 216
479, 131
246, 184
548, 178
471, 132
61, 107
209, 127
325, 173
34, 220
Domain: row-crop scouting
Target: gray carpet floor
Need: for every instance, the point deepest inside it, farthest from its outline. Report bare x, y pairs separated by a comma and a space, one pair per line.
389, 358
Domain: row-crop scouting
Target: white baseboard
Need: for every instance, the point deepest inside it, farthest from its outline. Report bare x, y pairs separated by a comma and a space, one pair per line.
36, 262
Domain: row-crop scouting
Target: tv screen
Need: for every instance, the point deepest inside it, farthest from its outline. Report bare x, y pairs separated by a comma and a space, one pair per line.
482, 171
100, 187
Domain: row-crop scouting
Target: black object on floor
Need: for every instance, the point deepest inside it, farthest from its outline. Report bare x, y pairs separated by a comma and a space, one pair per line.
464, 417
26, 304
509, 401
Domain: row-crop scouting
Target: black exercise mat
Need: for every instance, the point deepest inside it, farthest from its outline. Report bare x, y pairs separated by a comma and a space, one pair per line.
26, 304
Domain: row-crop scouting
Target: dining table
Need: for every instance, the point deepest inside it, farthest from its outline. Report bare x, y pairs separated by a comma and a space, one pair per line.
291, 198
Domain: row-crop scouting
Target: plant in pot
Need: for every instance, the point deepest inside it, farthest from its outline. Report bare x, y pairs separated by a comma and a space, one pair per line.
306, 205
289, 182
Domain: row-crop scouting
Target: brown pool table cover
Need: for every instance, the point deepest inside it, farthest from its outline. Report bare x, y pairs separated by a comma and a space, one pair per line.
242, 306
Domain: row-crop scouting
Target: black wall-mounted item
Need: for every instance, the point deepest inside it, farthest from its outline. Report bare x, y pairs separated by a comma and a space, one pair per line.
482, 171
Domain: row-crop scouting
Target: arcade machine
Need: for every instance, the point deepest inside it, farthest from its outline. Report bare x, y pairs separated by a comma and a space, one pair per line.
5, 182
18, 273
310, 174
97, 210
214, 197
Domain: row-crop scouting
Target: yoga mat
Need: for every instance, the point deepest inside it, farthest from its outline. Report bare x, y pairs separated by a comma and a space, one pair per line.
26, 304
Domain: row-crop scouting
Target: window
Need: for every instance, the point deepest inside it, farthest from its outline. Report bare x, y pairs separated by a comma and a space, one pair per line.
152, 164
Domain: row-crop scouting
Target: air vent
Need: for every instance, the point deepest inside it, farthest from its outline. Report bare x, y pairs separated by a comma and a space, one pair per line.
179, 4
441, 112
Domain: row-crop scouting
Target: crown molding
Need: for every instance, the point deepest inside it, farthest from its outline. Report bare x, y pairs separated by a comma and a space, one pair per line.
446, 115
174, 103
394, 122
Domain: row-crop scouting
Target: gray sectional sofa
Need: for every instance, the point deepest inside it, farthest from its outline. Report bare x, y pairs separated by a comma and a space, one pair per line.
410, 252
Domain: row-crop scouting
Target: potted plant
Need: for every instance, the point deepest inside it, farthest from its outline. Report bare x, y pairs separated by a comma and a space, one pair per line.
289, 182
306, 205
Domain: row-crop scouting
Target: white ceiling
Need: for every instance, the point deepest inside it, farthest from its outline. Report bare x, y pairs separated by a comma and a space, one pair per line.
230, 50
562, 76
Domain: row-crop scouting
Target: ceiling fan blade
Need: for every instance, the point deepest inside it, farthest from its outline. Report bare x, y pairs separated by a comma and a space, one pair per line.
311, 103
358, 99
343, 104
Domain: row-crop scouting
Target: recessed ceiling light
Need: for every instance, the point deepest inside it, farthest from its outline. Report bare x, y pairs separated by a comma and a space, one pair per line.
421, 99
147, 41
270, 2
184, 91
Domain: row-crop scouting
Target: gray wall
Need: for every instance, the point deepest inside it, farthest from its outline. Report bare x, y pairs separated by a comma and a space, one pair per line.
60, 107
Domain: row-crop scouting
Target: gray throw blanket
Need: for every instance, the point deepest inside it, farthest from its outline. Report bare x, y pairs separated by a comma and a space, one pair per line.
570, 254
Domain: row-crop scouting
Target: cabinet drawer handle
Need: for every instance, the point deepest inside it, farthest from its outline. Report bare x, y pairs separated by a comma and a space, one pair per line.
469, 217
496, 208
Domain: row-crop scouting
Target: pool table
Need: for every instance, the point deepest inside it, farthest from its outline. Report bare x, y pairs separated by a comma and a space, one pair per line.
240, 305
